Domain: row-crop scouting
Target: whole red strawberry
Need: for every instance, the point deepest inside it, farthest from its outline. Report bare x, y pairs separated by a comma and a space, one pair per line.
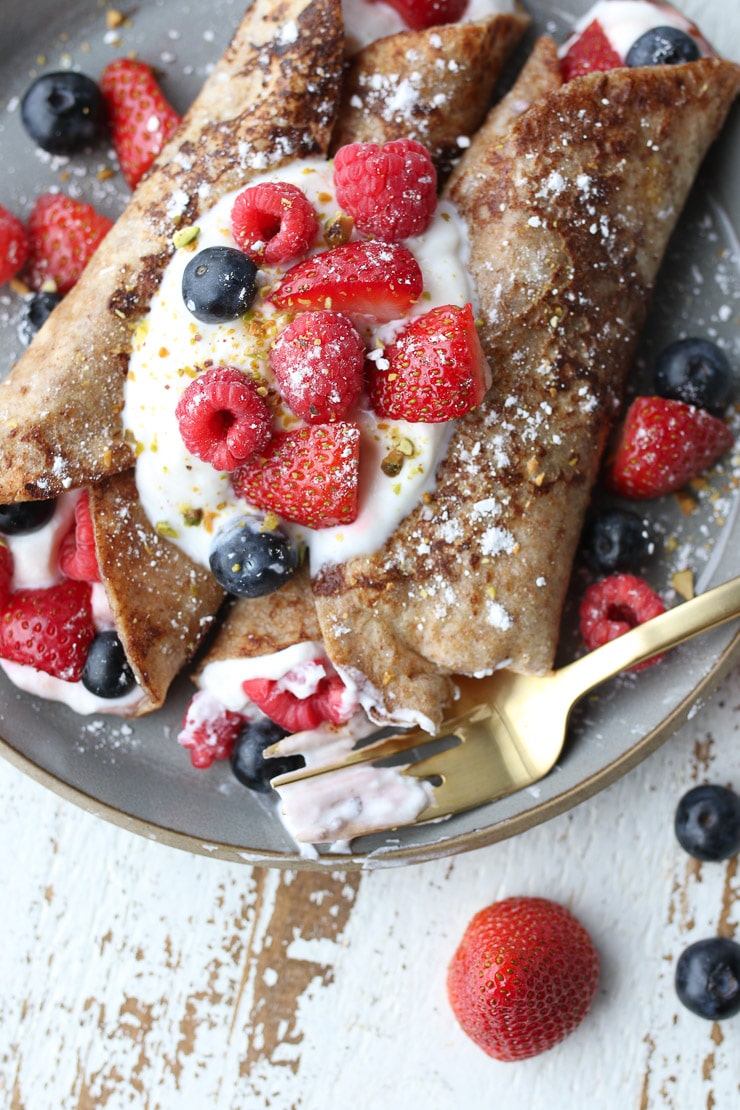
523, 977
434, 371
590, 53
13, 245
64, 234
662, 445
418, 14
141, 120
50, 629
390, 191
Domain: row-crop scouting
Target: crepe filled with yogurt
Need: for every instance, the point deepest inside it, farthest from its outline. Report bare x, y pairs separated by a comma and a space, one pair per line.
569, 211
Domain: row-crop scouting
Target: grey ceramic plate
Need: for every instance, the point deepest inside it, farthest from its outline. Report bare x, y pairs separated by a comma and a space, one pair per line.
135, 774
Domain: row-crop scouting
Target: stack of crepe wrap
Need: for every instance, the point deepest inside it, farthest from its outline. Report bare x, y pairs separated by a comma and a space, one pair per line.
276, 95
570, 194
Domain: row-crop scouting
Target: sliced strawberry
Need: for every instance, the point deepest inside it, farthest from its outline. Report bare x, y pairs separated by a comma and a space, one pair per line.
318, 361
140, 118
64, 234
662, 445
50, 629
418, 14
209, 730
372, 278
78, 557
590, 53
13, 245
309, 476
434, 371
327, 703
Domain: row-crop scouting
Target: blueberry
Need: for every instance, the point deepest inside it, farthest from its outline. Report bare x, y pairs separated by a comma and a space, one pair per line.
616, 539
38, 308
64, 112
663, 46
708, 978
248, 763
249, 560
695, 371
25, 516
707, 822
107, 672
218, 284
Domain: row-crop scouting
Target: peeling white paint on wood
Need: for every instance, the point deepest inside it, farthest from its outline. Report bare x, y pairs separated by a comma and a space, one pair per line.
135, 975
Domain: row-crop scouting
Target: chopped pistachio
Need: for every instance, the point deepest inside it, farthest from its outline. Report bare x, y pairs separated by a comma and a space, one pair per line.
392, 464
165, 529
185, 236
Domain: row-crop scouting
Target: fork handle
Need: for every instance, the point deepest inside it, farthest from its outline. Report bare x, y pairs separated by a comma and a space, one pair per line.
701, 614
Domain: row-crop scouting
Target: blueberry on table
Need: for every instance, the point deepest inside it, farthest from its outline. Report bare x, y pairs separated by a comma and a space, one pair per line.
707, 822
25, 516
663, 46
708, 978
38, 309
247, 759
249, 559
64, 112
616, 539
107, 672
695, 371
219, 284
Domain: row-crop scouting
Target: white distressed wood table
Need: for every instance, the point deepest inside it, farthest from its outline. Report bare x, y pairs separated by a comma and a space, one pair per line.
135, 975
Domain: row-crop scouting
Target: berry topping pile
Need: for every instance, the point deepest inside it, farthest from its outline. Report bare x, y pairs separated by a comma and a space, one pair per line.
590, 53
273, 222
523, 977
390, 191
140, 118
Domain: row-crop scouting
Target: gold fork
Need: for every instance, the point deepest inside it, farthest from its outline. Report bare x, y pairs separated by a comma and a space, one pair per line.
510, 728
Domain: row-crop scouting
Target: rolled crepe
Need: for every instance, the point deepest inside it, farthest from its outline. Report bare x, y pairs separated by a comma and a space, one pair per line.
569, 209
434, 86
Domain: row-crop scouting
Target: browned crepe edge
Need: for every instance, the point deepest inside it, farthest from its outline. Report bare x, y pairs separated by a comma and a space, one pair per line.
452, 69
423, 607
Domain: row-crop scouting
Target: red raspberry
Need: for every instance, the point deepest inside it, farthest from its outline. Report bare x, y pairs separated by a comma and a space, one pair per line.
418, 14
50, 629
434, 371
327, 703
273, 222
309, 476
223, 420
390, 191
78, 557
13, 245
318, 361
590, 53
613, 606
209, 730
64, 233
